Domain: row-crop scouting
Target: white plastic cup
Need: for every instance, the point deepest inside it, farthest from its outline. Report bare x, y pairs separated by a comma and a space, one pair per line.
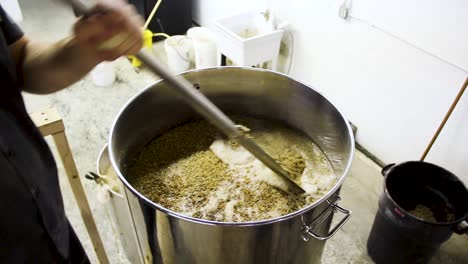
206, 50
178, 50
103, 74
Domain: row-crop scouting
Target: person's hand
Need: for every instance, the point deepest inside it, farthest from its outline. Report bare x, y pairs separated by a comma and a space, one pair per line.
113, 30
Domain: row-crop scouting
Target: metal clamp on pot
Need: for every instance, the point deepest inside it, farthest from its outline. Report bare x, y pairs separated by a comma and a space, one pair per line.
308, 229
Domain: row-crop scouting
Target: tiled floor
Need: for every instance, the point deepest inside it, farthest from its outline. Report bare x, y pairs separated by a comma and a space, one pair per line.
88, 112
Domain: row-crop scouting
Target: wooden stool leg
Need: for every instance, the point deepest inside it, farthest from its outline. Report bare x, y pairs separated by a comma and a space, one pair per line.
66, 156
49, 123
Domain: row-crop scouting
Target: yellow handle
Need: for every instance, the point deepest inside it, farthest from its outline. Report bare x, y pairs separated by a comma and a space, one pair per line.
147, 43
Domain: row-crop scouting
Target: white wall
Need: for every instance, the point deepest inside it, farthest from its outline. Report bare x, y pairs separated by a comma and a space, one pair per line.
395, 92
438, 26
205, 11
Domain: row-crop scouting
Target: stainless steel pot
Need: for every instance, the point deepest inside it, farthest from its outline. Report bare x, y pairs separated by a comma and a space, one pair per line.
175, 238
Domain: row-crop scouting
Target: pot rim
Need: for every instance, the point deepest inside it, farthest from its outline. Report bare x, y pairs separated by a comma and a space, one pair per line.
238, 224
412, 217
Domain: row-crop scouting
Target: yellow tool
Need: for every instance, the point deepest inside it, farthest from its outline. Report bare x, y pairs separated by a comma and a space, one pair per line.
147, 35
147, 43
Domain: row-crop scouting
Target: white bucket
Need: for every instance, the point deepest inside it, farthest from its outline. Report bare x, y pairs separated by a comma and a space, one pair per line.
178, 49
204, 43
103, 74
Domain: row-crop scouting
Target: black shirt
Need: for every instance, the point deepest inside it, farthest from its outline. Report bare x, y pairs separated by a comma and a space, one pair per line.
32, 214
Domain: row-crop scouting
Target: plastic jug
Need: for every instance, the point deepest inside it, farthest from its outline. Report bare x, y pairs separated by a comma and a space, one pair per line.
178, 50
206, 50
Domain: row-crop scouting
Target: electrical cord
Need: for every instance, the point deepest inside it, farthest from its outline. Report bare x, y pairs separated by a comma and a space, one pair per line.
178, 52
153, 12
350, 15
148, 21
345, 13
291, 53
161, 35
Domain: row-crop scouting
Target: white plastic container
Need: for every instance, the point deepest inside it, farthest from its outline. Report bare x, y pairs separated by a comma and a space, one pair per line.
247, 40
206, 50
103, 74
178, 49
13, 9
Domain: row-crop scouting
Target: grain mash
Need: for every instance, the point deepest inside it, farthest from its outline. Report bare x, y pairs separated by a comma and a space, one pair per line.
191, 169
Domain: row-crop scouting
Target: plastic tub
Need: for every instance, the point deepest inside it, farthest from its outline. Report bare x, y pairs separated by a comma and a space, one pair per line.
247, 41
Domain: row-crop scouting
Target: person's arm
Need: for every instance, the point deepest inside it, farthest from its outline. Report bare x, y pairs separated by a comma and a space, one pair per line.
49, 68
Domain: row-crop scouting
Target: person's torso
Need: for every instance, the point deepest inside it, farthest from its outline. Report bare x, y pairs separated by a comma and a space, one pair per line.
30, 200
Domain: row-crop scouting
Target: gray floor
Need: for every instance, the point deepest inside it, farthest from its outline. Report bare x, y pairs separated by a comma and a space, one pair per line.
88, 112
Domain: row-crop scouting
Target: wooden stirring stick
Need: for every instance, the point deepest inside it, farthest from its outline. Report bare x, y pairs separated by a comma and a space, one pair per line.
447, 116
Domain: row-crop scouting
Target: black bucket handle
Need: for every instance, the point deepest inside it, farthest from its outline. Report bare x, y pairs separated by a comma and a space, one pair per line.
386, 169
462, 227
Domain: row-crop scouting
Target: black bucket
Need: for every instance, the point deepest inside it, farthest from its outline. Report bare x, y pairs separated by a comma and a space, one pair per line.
400, 234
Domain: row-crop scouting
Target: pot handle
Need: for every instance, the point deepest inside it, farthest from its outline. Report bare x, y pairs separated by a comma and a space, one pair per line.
386, 169
307, 229
102, 159
109, 183
461, 228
